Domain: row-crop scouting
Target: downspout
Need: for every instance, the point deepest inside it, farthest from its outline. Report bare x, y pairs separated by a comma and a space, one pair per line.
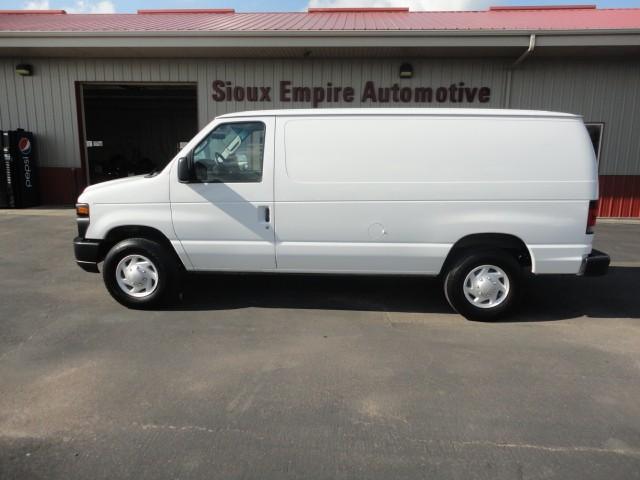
527, 52
521, 58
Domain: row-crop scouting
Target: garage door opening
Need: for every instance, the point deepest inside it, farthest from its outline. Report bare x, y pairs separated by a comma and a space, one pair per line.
132, 129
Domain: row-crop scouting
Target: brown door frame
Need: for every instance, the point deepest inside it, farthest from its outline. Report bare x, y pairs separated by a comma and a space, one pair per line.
81, 134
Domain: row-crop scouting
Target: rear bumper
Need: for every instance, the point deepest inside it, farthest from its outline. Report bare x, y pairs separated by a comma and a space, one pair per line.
87, 254
595, 264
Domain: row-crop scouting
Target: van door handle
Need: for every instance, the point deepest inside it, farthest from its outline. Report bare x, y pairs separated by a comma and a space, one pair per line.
264, 215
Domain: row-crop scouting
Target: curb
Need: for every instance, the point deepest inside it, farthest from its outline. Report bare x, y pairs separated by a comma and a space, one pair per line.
623, 220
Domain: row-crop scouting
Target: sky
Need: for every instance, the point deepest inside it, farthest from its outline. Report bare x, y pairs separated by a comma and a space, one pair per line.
129, 6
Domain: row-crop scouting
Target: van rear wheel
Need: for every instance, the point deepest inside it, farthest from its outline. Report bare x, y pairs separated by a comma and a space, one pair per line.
140, 273
484, 285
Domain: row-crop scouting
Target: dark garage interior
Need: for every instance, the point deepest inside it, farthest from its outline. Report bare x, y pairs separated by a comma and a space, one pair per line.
132, 129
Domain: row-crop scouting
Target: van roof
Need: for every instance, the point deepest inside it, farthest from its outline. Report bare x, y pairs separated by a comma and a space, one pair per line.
475, 112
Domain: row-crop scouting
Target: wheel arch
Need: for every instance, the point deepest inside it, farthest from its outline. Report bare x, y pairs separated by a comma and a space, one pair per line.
123, 232
503, 241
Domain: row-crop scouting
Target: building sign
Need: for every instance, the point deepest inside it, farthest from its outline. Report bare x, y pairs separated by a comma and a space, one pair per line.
225, 91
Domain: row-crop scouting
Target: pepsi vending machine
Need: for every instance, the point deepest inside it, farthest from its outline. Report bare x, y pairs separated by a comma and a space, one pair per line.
19, 176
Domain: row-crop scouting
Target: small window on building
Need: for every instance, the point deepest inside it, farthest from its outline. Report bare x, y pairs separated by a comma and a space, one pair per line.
595, 132
231, 153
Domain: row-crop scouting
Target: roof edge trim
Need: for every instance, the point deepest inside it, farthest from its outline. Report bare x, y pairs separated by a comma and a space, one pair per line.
33, 12
185, 10
358, 10
518, 8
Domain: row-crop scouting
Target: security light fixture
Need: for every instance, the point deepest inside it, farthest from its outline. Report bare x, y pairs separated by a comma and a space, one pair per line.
24, 70
406, 70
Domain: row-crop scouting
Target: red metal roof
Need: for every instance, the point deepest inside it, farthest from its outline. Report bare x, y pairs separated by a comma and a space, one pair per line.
323, 20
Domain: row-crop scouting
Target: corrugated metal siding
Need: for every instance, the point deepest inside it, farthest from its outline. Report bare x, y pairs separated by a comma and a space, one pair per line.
604, 91
45, 103
619, 196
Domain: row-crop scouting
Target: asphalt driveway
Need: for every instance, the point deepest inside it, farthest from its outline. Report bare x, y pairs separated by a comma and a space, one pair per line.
266, 377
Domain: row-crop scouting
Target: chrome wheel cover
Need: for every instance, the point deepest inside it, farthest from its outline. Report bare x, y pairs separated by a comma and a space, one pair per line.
137, 276
486, 286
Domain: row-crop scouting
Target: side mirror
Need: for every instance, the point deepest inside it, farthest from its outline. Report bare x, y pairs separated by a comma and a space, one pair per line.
184, 170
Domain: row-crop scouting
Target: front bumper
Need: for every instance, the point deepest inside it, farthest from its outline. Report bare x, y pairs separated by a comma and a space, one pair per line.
595, 264
87, 254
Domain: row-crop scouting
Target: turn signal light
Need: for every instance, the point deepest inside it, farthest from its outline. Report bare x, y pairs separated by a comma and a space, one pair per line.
82, 209
593, 214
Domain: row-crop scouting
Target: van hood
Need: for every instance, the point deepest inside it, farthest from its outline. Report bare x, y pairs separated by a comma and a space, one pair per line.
111, 183
137, 189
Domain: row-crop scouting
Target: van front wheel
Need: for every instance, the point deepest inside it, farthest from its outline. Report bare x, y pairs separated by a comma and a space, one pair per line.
484, 285
139, 273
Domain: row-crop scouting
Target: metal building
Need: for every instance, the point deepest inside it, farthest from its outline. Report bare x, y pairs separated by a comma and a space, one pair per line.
116, 95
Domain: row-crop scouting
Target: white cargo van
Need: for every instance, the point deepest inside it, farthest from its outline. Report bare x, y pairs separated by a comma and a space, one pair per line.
479, 197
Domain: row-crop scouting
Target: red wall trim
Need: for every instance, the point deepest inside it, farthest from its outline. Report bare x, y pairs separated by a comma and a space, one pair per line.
619, 196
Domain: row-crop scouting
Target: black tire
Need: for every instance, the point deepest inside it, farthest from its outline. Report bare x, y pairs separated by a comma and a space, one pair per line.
469, 261
165, 264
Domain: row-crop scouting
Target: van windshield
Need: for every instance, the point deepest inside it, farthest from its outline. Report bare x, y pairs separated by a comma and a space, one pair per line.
231, 153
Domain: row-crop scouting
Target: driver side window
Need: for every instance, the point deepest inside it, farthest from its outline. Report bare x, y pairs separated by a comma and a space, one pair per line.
231, 153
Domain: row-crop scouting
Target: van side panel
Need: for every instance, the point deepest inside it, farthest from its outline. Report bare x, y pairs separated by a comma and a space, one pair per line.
392, 194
